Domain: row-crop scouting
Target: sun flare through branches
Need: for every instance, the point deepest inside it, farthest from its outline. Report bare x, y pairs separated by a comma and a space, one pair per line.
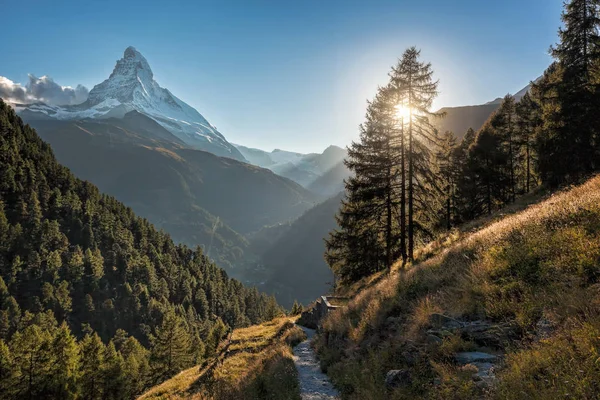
402, 111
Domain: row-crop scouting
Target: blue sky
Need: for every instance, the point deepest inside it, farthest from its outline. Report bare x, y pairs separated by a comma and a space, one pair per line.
284, 74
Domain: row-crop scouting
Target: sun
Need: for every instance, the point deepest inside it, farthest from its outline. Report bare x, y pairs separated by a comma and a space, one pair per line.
402, 111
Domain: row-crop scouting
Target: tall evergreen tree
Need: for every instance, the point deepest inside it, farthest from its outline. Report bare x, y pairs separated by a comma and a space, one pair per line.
466, 182
413, 81
488, 164
367, 240
92, 366
569, 141
171, 350
528, 124
503, 123
448, 163
114, 375
32, 356
64, 373
7, 371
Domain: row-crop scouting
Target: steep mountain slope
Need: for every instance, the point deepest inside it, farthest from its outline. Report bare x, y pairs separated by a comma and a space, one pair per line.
460, 119
331, 182
75, 261
131, 86
295, 260
509, 311
194, 195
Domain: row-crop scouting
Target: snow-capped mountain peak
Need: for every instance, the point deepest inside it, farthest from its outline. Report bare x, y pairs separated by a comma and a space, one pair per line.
131, 72
131, 87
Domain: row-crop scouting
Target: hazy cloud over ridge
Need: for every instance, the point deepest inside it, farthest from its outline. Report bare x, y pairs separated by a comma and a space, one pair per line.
42, 89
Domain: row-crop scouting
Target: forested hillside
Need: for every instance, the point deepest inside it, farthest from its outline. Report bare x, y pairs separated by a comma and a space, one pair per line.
191, 194
95, 302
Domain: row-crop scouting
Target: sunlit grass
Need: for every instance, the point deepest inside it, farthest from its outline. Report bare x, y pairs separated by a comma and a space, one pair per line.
259, 358
532, 261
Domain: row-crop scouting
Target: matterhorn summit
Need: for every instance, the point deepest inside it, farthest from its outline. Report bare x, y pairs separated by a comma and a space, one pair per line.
131, 87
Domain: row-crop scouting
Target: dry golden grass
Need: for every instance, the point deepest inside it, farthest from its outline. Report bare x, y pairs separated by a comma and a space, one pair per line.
517, 267
258, 359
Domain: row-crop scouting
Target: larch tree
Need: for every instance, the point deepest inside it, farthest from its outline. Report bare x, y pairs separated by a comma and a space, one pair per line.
92, 352
569, 142
171, 350
528, 123
366, 240
503, 122
413, 81
64, 373
447, 158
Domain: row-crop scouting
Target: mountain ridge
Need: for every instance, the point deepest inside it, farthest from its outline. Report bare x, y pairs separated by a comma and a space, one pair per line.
301, 168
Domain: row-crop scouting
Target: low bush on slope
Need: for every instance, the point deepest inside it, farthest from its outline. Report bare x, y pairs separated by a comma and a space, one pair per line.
532, 278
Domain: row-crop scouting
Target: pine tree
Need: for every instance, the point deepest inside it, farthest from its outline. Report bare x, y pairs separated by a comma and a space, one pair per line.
488, 164
412, 80
503, 123
296, 308
447, 163
528, 123
64, 373
32, 356
569, 95
136, 364
217, 332
92, 352
466, 187
366, 240
114, 375
171, 350
7, 372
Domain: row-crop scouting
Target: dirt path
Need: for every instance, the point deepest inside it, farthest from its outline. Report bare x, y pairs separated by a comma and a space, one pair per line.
314, 384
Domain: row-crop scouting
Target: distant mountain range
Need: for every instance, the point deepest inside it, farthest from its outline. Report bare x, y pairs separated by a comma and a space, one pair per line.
305, 169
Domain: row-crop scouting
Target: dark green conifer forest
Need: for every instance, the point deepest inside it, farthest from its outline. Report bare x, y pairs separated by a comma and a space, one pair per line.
94, 302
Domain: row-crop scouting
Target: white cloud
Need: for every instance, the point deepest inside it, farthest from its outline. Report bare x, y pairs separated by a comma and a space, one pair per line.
12, 91
42, 89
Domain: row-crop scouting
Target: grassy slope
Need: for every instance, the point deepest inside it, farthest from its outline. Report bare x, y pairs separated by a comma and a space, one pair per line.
256, 363
536, 268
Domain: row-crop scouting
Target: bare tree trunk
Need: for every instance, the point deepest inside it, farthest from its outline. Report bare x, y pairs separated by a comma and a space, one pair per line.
528, 165
411, 243
388, 227
403, 198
